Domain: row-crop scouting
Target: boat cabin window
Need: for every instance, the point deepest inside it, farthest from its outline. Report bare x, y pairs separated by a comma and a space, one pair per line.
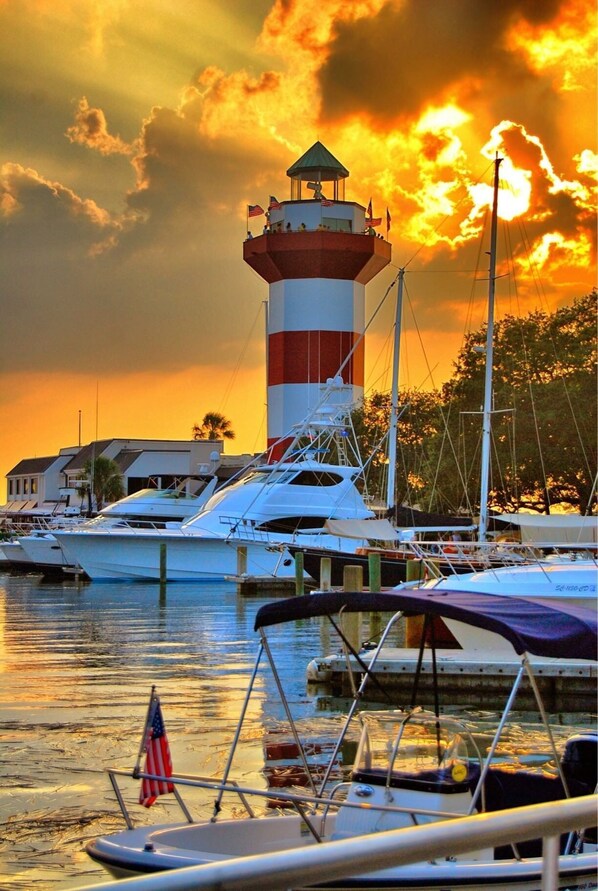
267, 477
292, 524
317, 478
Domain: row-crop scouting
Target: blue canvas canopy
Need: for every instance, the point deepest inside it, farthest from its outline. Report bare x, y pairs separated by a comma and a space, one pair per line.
558, 631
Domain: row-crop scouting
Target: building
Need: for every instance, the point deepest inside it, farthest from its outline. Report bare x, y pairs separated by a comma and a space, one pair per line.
317, 253
52, 485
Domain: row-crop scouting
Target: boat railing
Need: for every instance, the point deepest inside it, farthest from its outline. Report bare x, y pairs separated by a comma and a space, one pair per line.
476, 555
298, 800
299, 867
241, 527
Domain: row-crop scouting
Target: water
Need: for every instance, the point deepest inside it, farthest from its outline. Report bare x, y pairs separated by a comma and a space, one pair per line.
77, 662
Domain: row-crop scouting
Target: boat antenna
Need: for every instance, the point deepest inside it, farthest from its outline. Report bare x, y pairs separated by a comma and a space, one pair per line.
486, 417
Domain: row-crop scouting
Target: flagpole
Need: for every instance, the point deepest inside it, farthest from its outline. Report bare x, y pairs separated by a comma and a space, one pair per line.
150, 710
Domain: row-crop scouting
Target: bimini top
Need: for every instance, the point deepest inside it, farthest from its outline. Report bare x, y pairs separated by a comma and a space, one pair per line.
560, 631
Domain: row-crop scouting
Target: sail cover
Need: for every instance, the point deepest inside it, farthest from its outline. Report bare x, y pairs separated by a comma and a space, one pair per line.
373, 530
565, 632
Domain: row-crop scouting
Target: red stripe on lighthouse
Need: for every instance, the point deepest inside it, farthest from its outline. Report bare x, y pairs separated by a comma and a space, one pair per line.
299, 357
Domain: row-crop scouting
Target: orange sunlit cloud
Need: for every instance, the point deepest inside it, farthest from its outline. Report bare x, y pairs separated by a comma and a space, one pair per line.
139, 136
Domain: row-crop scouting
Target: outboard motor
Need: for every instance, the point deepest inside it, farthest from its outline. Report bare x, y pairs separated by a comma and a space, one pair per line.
580, 766
580, 761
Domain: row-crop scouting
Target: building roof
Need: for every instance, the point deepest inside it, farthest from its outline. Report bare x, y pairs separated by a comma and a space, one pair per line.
318, 162
127, 457
32, 465
87, 453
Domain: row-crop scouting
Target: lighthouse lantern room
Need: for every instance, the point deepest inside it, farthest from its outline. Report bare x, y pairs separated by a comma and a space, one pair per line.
317, 253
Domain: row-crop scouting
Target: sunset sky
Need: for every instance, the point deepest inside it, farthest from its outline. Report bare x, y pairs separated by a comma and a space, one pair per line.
134, 134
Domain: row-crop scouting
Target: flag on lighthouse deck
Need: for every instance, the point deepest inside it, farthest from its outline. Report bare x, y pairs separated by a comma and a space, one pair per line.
157, 756
387, 220
368, 212
254, 210
273, 204
326, 202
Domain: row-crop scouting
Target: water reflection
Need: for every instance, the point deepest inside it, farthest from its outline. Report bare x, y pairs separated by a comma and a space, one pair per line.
77, 662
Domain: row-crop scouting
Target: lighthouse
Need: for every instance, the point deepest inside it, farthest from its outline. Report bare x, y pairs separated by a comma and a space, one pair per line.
317, 253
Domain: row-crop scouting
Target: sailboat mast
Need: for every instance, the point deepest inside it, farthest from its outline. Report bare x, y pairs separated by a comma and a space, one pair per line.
487, 414
394, 401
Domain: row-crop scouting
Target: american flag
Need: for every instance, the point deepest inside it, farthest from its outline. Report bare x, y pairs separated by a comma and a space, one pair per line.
368, 212
273, 204
326, 202
254, 210
157, 756
388, 218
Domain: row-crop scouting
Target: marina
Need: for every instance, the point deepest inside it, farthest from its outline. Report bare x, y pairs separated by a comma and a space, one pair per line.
77, 664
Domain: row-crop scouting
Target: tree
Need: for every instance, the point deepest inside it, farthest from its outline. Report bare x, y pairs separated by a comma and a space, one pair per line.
420, 420
105, 481
214, 426
544, 425
543, 444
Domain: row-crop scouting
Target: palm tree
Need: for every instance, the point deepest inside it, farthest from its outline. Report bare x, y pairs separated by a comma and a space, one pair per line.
104, 480
214, 426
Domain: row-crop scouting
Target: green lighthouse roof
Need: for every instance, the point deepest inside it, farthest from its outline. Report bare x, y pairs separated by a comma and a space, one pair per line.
318, 160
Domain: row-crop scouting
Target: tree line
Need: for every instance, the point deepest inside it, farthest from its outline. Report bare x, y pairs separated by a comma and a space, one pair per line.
543, 442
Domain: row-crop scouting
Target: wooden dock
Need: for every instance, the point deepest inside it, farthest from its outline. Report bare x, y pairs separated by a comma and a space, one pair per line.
267, 586
476, 679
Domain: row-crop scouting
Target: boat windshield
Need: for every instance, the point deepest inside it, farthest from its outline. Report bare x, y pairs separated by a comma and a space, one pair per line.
418, 744
268, 477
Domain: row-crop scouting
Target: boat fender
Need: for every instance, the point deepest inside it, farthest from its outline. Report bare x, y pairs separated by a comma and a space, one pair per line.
317, 673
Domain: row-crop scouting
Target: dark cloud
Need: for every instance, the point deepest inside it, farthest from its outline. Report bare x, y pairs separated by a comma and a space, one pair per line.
162, 285
389, 67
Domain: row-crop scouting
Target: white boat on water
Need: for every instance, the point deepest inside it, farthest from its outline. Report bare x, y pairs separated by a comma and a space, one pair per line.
568, 578
268, 508
412, 767
148, 508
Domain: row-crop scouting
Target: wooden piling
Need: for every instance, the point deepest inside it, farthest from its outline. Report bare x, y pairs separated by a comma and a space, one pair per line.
162, 563
299, 584
353, 581
242, 560
325, 573
375, 577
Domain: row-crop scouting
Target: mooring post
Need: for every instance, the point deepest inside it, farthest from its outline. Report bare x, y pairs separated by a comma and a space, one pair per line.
375, 577
353, 581
299, 588
325, 573
242, 560
162, 563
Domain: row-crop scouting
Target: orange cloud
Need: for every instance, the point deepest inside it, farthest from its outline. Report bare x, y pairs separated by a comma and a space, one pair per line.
90, 129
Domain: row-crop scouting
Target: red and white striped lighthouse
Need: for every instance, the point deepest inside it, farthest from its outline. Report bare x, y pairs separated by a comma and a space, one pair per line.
317, 256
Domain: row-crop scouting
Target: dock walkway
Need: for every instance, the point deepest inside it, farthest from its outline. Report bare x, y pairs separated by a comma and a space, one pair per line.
467, 678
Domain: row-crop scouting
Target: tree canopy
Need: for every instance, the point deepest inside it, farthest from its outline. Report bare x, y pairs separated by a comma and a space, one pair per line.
213, 426
543, 423
106, 481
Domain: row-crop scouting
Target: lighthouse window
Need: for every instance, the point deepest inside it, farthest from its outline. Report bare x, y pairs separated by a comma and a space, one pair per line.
317, 478
336, 225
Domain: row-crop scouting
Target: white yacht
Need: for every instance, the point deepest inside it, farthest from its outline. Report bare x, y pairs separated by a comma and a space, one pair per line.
558, 580
269, 507
246, 525
149, 508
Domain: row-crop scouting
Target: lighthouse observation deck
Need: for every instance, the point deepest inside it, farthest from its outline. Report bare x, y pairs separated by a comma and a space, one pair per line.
305, 240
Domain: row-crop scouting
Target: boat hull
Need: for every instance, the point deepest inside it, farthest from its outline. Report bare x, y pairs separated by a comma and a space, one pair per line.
160, 848
112, 556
